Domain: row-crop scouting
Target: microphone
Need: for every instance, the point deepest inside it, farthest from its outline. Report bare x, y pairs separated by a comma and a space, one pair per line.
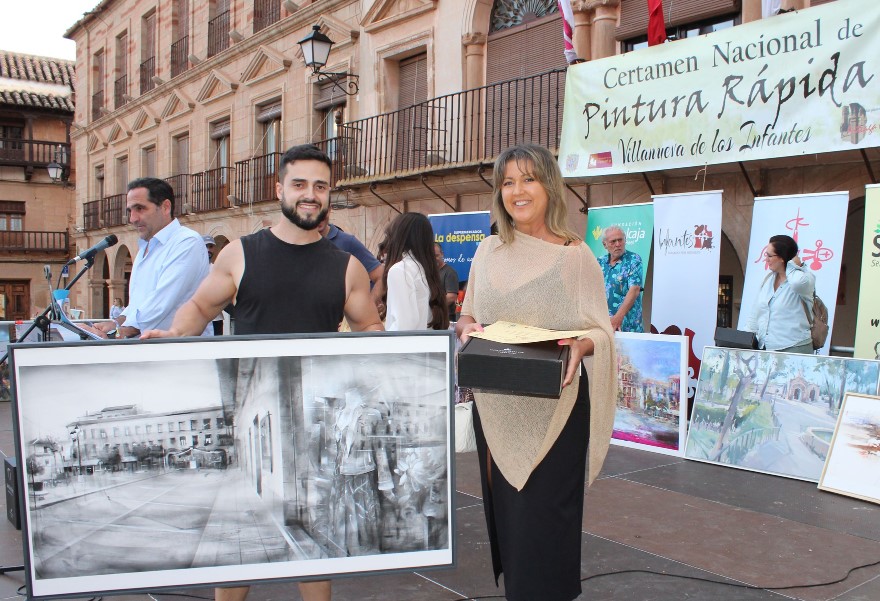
89, 254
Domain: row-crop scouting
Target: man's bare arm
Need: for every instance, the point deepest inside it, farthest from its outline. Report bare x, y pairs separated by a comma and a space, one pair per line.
215, 292
360, 310
628, 301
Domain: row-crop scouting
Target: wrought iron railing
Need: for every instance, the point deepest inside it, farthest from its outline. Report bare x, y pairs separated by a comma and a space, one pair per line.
33, 153
180, 186
467, 127
120, 92
335, 148
147, 72
211, 188
266, 12
218, 33
113, 210
255, 178
179, 56
97, 104
34, 241
106, 212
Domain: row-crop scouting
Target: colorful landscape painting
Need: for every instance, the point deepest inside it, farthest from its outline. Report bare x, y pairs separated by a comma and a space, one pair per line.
650, 370
853, 464
772, 412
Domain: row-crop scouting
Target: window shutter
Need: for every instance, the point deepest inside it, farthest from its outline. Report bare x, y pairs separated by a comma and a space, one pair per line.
413, 81
329, 95
269, 112
525, 50
634, 14
220, 130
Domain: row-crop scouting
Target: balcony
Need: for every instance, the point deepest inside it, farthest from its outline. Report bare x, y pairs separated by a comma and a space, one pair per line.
15, 152
28, 241
211, 188
147, 72
466, 128
266, 12
218, 34
106, 212
120, 92
255, 179
335, 148
97, 104
179, 54
180, 186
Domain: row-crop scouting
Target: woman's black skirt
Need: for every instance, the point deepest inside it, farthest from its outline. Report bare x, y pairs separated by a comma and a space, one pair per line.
535, 533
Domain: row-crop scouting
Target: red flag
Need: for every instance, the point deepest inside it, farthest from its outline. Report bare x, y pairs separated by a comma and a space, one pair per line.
656, 24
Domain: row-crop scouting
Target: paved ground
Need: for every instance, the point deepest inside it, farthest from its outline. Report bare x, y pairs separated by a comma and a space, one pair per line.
656, 528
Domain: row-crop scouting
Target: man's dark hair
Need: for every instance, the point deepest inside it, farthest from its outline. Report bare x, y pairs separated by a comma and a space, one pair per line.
303, 152
157, 190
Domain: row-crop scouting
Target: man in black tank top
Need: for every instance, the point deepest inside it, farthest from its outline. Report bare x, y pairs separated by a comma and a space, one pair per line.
285, 279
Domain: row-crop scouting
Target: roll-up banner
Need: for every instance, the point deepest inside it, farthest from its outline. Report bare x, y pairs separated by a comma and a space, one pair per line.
817, 222
868, 320
636, 221
798, 83
687, 254
459, 235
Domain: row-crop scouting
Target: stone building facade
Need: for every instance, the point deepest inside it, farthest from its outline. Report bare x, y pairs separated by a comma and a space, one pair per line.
36, 214
207, 94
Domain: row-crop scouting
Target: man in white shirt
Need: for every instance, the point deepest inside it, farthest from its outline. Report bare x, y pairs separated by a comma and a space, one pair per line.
170, 264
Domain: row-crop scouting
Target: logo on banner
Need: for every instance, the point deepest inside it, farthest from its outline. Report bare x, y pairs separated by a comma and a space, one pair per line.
876, 252
814, 257
599, 160
689, 242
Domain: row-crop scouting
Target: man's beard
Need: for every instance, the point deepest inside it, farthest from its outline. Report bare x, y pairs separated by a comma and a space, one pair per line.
304, 223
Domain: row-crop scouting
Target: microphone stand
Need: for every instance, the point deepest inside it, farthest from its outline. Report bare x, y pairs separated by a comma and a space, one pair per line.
42, 321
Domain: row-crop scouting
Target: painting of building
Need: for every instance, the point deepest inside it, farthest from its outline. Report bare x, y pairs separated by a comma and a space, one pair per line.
649, 406
772, 412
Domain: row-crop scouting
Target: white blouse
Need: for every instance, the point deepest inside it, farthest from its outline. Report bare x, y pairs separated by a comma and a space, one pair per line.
407, 296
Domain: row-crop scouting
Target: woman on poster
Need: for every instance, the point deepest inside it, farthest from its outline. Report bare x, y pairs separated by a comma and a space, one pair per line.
532, 451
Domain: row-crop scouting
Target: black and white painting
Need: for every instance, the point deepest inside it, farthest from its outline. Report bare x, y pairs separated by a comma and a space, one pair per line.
186, 463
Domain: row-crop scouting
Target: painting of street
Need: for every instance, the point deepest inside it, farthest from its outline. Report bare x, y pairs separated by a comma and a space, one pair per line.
650, 370
772, 412
853, 464
170, 464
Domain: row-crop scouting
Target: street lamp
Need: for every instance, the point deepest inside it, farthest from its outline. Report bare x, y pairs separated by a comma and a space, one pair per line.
74, 435
316, 50
56, 167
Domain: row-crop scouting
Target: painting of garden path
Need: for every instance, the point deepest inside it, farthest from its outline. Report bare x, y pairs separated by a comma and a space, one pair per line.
650, 369
772, 412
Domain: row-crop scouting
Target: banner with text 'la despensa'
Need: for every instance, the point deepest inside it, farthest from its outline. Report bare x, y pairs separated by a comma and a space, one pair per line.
798, 83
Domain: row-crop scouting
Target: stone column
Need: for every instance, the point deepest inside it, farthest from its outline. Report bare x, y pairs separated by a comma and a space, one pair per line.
474, 58
751, 10
581, 30
605, 14
116, 290
96, 299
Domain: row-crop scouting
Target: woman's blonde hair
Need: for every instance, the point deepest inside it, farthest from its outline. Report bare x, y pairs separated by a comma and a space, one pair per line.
540, 163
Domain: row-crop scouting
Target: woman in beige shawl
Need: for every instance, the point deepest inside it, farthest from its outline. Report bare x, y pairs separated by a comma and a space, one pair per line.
533, 451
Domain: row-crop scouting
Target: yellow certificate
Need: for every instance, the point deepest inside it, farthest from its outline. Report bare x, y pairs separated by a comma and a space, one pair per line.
506, 332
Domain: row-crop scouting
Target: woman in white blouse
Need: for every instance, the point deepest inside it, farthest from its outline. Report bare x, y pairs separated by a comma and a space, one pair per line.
415, 299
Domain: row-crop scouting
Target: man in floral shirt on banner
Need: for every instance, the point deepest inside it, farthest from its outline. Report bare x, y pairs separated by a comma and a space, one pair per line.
623, 281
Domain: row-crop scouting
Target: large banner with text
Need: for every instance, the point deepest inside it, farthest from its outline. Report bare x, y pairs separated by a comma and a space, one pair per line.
797, 83
636, 221
459, 235
868, 320
687, 255
817, 222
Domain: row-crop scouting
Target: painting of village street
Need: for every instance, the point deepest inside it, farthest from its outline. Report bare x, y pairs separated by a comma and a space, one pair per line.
232, 460
853, 465
772, 412
650, 370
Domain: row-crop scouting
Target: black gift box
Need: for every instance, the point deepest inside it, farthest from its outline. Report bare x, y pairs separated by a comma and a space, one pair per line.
535, 369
